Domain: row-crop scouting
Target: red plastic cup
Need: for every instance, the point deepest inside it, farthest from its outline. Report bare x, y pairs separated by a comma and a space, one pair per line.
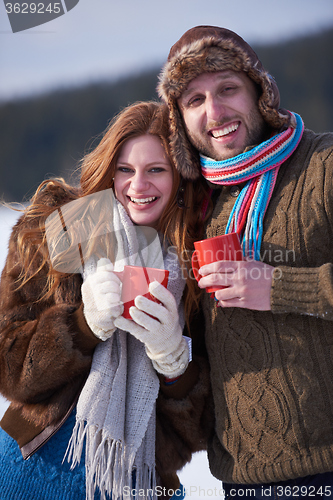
224, 247
136, 280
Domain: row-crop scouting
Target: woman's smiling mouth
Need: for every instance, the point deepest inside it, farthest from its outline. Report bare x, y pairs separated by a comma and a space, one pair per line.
143, 201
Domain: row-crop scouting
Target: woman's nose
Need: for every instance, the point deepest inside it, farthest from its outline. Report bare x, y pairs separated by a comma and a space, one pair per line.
139, 182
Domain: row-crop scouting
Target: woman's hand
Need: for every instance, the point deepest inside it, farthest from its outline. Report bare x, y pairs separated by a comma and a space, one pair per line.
101, 293
157, 326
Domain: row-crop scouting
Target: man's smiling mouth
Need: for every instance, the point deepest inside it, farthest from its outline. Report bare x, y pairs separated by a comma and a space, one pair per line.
222, 132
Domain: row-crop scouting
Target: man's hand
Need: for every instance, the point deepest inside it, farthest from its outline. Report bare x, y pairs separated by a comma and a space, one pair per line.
249, 283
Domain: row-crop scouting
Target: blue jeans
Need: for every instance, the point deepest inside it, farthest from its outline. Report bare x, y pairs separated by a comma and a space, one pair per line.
179, 494
317, 487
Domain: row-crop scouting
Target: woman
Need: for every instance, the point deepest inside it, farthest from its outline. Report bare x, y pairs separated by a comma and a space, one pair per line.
73, 379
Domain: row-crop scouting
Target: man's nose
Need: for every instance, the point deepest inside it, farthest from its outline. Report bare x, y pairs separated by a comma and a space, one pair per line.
214, 108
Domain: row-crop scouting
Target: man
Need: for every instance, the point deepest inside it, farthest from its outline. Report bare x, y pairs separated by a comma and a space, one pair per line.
269, 331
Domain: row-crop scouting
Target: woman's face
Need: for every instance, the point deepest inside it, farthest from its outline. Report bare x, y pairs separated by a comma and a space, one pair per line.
143, 179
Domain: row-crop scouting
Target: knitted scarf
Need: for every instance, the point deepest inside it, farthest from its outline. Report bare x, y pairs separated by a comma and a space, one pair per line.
259, 167
116, 409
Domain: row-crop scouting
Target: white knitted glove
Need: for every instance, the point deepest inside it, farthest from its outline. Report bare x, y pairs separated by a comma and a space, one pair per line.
162, 334
101, 293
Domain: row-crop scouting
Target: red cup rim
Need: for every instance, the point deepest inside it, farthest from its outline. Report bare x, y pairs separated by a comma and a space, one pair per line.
215, 237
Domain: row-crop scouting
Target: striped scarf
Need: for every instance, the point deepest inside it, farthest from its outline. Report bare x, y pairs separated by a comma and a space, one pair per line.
259, 167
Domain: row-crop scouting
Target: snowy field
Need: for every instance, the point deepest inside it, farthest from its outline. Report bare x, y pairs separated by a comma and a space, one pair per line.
196, 477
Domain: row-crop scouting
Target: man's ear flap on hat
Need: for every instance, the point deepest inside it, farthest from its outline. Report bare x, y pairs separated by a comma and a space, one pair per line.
269, 103
185, 156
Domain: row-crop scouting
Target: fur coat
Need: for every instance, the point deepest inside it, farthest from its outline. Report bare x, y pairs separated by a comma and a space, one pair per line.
46, 350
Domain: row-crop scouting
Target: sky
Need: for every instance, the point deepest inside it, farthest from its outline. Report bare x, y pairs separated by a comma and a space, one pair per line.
107, 39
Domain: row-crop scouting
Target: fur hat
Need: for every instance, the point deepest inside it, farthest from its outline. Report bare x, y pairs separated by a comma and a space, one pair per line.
206, 49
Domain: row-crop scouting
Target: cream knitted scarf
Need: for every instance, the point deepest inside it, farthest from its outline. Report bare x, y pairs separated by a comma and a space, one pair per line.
116, 410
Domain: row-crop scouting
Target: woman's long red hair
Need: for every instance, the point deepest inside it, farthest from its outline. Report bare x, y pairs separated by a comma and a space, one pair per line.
181, 225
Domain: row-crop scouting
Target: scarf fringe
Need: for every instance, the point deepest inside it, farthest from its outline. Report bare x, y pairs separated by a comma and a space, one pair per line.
75, 446
109, 467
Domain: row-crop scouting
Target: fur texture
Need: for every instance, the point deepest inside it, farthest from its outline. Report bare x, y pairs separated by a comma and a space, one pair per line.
44, 358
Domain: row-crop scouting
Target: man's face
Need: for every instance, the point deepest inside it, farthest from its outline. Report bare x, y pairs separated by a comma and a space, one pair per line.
221, 114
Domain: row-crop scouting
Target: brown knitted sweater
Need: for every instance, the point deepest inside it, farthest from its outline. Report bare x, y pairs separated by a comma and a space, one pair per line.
272, 372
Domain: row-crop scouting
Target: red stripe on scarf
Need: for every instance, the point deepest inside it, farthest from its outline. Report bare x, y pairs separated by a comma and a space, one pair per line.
227, 171
246, 206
